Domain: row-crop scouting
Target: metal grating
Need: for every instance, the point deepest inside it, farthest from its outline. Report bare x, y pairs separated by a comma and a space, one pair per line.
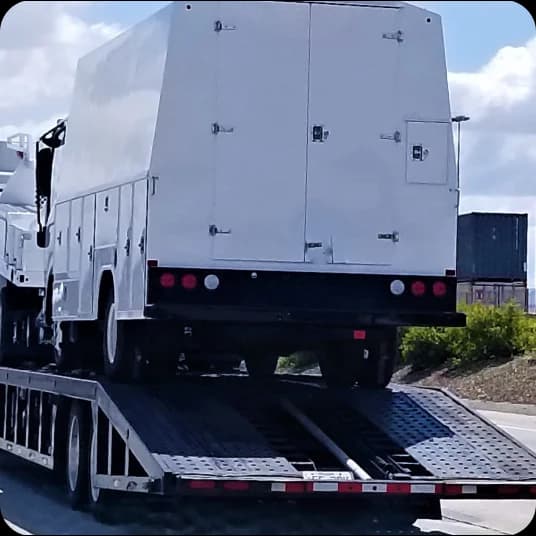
220, 467
443, 436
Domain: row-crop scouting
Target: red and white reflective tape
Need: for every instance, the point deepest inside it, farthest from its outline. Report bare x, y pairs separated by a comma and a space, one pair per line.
363, 487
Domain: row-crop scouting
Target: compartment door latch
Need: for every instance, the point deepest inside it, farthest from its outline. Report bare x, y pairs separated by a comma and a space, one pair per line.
394, 236
397, 36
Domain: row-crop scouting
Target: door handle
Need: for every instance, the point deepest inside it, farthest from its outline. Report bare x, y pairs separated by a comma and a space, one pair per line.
90, 253
127, 247
141, 244
213, 231
78, 234
58, 238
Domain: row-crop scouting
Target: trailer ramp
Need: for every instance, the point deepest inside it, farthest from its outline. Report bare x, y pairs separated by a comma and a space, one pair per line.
231, 435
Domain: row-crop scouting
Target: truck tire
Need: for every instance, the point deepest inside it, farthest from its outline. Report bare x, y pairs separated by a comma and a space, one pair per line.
377, 362
77, 455
118, 347
261, 366
7, 354
339, 364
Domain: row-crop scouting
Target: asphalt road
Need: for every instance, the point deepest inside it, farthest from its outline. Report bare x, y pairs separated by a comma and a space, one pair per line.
34, 503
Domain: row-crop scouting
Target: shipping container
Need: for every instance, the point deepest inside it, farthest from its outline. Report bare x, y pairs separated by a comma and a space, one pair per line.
493, 293
492, 247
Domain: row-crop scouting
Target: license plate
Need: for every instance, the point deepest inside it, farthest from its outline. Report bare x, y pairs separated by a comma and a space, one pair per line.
327, 475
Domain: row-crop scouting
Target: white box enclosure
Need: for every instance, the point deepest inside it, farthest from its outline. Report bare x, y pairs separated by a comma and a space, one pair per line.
296, 152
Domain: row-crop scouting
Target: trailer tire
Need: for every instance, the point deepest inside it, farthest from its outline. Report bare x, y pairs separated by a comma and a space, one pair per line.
77, 455
261, 366
118, 349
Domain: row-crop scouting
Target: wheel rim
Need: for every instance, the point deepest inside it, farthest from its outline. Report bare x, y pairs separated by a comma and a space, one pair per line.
95, 491
111, 335
74, 453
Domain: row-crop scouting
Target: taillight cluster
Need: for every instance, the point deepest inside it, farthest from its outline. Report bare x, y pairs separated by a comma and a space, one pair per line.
189, 281
418, 288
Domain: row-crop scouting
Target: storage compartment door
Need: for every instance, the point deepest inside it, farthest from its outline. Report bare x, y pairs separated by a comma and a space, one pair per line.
426, 152
86, 299
260, 130
356, 157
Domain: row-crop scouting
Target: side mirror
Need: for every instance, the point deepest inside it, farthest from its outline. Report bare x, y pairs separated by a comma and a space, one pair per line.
42, 238
43, 172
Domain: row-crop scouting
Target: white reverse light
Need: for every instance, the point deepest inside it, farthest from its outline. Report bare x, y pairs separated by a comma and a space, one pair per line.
212, 282
397, 287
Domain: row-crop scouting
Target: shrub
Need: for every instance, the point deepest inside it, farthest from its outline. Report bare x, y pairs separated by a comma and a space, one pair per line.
491, 332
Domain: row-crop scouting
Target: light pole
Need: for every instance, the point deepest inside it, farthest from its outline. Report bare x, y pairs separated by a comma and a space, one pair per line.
459, 119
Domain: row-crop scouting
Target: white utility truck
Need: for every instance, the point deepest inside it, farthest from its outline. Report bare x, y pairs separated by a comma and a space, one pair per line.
243, 180
22, 273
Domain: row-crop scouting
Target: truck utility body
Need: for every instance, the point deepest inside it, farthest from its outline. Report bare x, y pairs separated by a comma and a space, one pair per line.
219, 436
285, 165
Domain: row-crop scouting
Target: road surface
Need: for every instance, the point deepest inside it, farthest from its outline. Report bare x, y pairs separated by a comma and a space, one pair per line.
34, 504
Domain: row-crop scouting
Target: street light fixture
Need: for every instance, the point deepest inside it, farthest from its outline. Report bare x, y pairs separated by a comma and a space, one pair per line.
459, 119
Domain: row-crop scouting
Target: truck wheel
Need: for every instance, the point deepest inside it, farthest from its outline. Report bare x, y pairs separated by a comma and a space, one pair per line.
339, 365
261, 366
77, 466
7, 355
118, 349
377, 362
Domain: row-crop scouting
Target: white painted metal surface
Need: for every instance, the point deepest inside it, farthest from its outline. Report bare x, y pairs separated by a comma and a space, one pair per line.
215, 103
262, 70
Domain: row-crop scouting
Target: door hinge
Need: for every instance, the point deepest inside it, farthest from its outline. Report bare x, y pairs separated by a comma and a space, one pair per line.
398, 36
394, 236
396, 136
219, 26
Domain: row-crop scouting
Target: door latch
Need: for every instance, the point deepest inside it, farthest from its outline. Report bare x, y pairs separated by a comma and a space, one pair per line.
313, 245
217, 129
397, 36
127, 247
213, 230
394, 236
78, 234
320, 134
219, 26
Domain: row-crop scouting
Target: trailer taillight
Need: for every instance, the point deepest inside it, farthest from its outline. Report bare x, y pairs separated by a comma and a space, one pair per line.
439, 289
418, 288
167, 280
189, 281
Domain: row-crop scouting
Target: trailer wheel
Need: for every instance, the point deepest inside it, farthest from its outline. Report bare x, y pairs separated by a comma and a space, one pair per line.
262, 365
377, 362
98, 499
77, 466
339, 364
118, 349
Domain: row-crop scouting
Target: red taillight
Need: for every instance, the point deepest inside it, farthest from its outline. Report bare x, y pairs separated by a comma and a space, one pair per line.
418, 288
189, 281
360, 334
167, 280
439, 289
202, 484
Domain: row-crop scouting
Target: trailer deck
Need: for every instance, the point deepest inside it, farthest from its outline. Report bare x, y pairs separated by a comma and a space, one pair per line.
223, 434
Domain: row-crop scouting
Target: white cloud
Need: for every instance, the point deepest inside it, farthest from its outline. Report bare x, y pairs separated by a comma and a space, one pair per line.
40, 44
498, 164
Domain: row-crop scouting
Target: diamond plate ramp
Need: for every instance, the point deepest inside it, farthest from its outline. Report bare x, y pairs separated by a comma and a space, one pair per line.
444, 436
191, 430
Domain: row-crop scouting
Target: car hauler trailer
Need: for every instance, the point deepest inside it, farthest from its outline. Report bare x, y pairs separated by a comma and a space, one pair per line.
222, 436
243, 180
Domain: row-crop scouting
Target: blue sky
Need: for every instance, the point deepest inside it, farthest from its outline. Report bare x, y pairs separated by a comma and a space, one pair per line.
474, 31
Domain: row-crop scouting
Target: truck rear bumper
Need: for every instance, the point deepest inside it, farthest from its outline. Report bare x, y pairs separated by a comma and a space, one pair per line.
348, 319
307, 298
